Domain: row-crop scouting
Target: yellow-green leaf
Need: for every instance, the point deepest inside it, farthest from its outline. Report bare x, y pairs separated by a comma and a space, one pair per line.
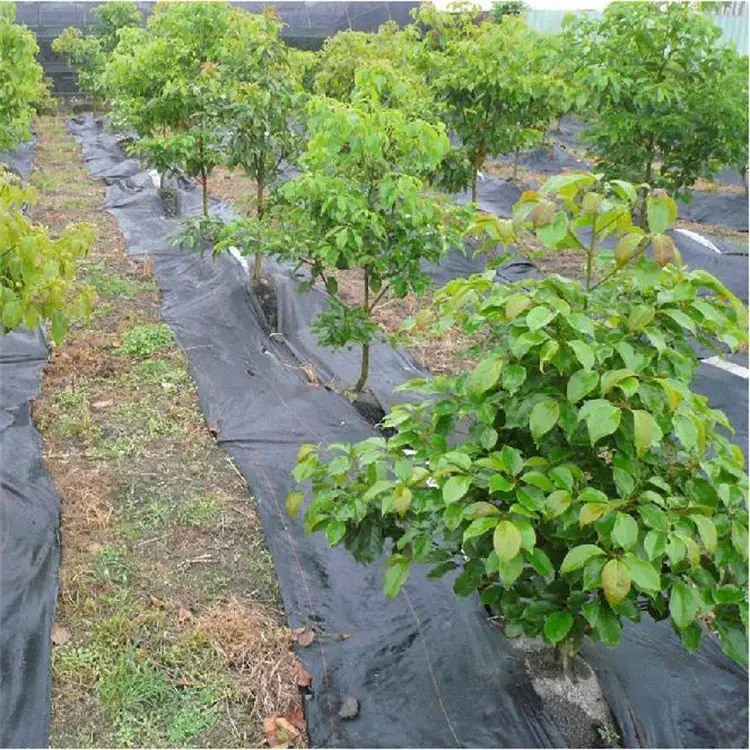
615, 581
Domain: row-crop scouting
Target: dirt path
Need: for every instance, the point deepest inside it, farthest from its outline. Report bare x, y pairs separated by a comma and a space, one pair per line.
169, 629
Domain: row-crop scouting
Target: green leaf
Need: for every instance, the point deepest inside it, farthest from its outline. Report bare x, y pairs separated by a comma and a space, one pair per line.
538, 317
675, 550
12, 314
579, 556
733, 641
581, 383
686, 431
498, 483
396, 573
554, 232
513, 377
625, 531
682, 319
512, 460
654, 517
707, 531
335, 531
562, 478
541, 563
488, 438
683, 604
515, 304
544, 417
480, 526
506, 541
557, 503
401, 499
611, 378
728, 594
608, 627
591, 512
601, 417
615, 581
640, 316
510, 570
643, 574
58, 328
557, 626
691, 637
538, 479
455, 488
646, 432
294, 502
583, 352
485, 374
658, 215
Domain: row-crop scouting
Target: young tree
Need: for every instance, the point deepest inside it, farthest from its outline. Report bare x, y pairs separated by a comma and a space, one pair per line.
503, 8
166, 86
653, 77
573, 477
89, 53
361, 204
262, 109
37, 272
497, 93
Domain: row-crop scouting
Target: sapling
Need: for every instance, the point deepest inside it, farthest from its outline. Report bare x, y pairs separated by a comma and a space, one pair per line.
361, 203
572, 478
497, 93
261, 110
657, 85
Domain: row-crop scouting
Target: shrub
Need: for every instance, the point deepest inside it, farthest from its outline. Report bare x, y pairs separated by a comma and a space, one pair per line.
572, 478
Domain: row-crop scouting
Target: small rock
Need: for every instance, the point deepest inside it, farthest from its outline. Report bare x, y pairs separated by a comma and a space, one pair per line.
349, 709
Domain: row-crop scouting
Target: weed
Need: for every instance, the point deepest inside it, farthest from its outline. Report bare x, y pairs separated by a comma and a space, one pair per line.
199, 510
163, 371
143, 340
114, 285
113, 565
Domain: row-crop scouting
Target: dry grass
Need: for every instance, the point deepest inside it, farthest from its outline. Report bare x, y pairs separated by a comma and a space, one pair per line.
233, 186
725, 233
155, 519
251, 638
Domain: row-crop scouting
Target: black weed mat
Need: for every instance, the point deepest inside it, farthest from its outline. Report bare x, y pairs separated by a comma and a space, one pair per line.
29, 548
426, 668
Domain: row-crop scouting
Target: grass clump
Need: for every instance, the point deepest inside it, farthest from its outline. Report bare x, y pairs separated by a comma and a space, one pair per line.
143, 340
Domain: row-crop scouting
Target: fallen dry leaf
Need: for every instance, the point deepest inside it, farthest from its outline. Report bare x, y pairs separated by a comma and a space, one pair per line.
102, 404
304, 679
296, 717
158, 603
183, 615
303, 636
60, 635
214, 429
279, 731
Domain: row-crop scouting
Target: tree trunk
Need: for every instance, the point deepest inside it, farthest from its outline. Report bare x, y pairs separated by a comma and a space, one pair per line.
474, 187
516, 158
204, 183
364, 369
259, 211
204, 176
478, 161
743, 176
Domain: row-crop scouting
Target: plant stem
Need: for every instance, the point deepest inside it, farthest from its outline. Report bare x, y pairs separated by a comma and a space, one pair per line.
259, 210
515, 163
590, 255
204, 176
364, 369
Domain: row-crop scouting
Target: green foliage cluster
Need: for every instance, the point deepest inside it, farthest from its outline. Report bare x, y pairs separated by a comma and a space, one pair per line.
22, 84
89, 53
37, 272
668, 103
573, 477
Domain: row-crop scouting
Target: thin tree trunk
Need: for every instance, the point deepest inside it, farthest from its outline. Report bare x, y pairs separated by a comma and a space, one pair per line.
364, 369
259, 211
743, 176
478, 161
590, 254
204, 176
516, 159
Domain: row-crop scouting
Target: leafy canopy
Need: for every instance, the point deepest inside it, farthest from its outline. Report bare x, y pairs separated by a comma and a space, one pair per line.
21, 77
37, 272
497, 93
572, 477
361, 204
655, 80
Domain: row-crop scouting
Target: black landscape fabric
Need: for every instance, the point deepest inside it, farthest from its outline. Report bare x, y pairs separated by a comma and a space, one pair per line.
426, 668
29, 549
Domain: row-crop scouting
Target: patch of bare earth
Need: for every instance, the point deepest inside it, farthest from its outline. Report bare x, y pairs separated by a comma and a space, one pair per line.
169, 626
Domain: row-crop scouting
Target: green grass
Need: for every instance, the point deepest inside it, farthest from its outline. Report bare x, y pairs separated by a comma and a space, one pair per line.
109, 284
143, 340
